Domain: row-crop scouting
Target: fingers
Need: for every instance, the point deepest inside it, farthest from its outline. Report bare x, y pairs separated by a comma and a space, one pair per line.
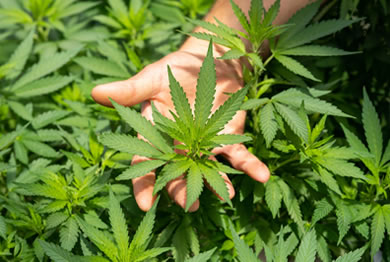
143, 187
241, 159
177, 190
129, 92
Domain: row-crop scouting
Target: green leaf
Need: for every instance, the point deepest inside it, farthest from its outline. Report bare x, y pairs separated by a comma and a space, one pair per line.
179, 98
55, 219
20, 56
221, 32
363, 229
323, 208
113, 53
223, 168
69, 234
20, 110
353, 140
46, 191
170, 172
296, 123
205, 89
273, 196
386, 214
75, 9
295, 67
377, 231
118, 224
230, 139
240, 16
225, 113
180, 243
56, 253
271, 13
202, 257
8, 138
386, 154
40, 148
255, 16
323, 250
315, 50
290, 244
102, 66
341, 167
209, 37
129, 145
93, 219
46, 66
192, 239
232, 54
253, 103
345, 153
48, 117
296, 97
300, 19
194, 181
353, 256
328, 179
140, 169
216, 182
308, 247
256, 60
20, 152
144, 230
43, 86
317, 130
100, 239
167, 126
372, 128
291, 203
244, 253
268, 124
344, 220
118, 8
316, 31
151, 253
142, 126
3, 228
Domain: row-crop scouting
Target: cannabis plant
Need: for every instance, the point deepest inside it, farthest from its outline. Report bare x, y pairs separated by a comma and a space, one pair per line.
291, 39
44, 15
120, 249
326, 143
198, 133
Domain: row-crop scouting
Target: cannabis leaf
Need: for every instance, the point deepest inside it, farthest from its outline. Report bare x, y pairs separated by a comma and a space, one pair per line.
197, 132
117, 246
308, 247
377, 230
323, 208
243, 251
353, 256
372, 128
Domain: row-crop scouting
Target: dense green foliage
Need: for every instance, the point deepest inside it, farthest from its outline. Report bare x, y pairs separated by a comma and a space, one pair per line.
318, 116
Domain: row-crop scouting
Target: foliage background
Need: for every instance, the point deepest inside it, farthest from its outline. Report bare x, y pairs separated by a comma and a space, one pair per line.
49, 122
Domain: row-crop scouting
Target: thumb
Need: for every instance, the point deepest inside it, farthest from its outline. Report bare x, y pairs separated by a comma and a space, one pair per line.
128, 92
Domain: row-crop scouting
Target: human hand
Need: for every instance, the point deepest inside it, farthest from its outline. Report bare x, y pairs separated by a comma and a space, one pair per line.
152, 84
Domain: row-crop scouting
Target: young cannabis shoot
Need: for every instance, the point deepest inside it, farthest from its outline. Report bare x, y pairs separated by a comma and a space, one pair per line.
198, 134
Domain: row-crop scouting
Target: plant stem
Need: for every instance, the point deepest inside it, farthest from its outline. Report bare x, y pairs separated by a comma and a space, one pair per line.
285, 162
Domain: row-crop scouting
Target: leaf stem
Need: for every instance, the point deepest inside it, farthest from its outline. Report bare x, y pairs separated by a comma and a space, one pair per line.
287, 161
